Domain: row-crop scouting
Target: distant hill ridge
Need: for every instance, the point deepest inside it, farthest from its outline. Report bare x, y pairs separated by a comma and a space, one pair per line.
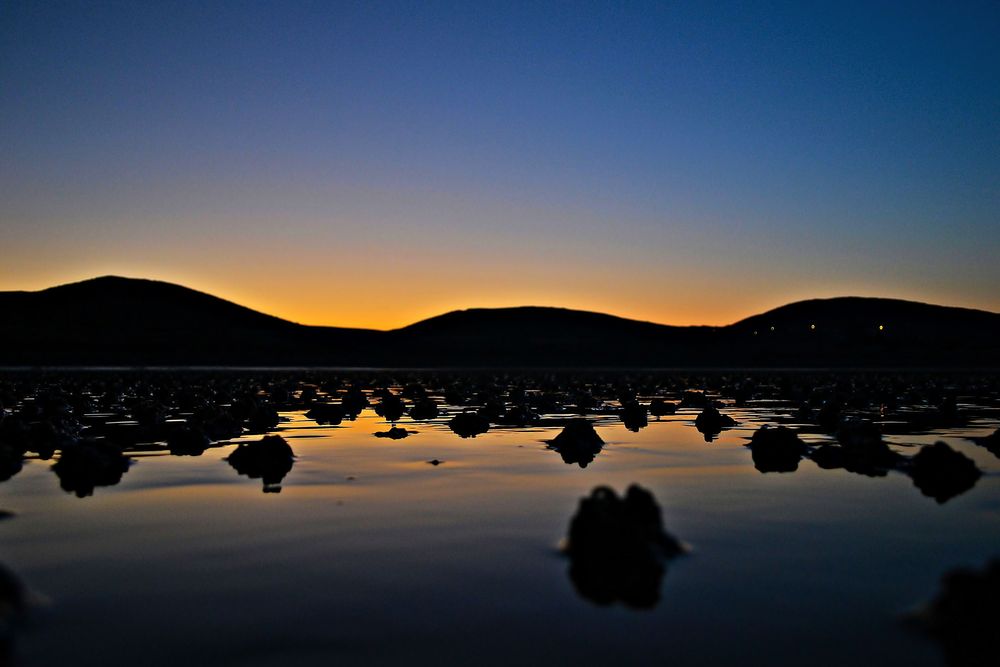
129, 301
126, 321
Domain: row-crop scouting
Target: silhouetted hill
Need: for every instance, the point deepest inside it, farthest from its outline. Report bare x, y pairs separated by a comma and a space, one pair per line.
851, 313
869, 332
129, 302
555, 321
534, 336
123, 321
113, 320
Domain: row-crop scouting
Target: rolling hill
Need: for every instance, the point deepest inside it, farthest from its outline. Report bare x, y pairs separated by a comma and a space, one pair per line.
124, 321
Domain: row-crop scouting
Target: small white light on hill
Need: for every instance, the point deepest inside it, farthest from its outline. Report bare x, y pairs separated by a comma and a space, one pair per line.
812, 327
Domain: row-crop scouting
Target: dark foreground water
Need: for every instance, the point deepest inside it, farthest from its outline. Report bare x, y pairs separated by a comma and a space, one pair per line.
371, 555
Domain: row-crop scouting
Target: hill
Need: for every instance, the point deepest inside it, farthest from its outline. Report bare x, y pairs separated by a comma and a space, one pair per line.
124, 321
112, 320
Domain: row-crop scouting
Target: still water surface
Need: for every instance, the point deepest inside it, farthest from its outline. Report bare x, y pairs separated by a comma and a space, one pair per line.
369, 554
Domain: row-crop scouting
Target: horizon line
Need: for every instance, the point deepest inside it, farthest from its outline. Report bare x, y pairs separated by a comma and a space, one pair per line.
484, 308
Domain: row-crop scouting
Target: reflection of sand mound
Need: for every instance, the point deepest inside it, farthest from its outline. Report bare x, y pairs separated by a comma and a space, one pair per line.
618, 548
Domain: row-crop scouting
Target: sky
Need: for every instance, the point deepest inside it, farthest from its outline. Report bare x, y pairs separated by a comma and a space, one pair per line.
375, 163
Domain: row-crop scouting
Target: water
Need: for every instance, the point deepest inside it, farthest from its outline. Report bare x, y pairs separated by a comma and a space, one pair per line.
369, 554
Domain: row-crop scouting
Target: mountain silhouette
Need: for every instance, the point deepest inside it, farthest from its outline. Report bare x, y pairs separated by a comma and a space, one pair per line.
126, 321
114, 320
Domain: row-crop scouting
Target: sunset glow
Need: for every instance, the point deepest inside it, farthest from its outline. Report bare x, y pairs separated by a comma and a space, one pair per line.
370, 166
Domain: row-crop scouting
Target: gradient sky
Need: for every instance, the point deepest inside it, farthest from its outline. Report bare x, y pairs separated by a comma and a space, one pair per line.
371, 164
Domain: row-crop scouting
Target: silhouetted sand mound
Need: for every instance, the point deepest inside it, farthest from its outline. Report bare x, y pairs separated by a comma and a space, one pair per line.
633, 415
11, 461
776, 449
14, 603
990, 442
390, 408
13, 596
217, 423
710, 422
694, 399
660, 408
469, 424
829, 416
394, 433
860, 450
354, 401
262, 418
965, 616
424, 409
578, 442
188, 441
86, 465
859, 434
618, 548
520, 415
326, 413
942, 473
268, 459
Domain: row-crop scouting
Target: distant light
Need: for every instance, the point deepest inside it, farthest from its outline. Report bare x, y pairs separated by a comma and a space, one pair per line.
812, 327
881, 327
772, 328
754, 333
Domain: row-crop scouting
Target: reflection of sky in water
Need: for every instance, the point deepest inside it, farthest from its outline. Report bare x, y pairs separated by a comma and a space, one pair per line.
370, 553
